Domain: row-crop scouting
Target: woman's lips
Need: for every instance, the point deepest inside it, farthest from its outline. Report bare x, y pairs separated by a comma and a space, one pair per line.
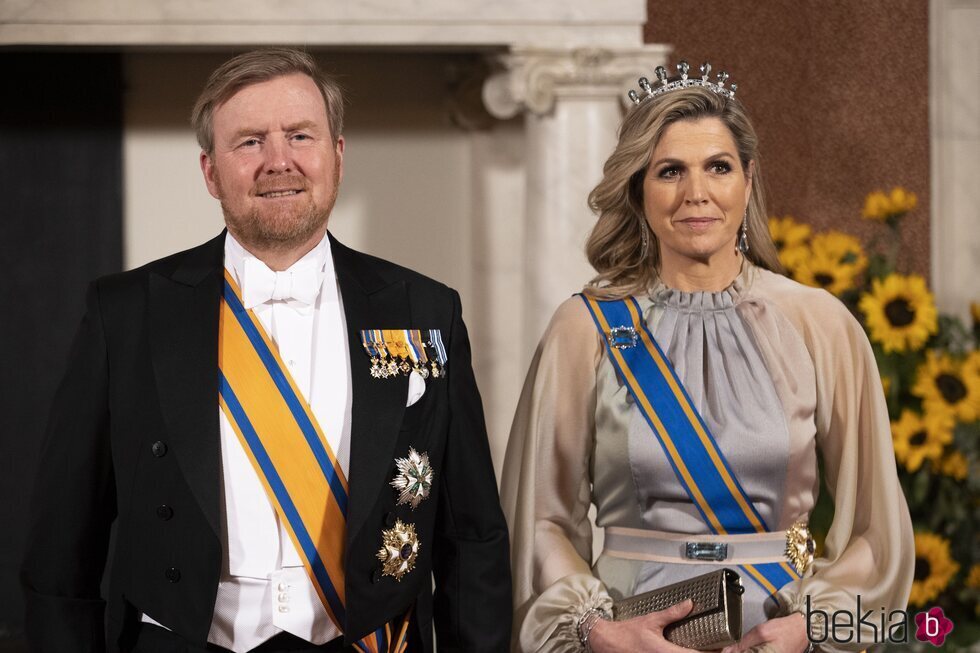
699, 224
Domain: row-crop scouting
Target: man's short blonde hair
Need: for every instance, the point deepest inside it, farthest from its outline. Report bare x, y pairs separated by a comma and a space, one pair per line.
261, 66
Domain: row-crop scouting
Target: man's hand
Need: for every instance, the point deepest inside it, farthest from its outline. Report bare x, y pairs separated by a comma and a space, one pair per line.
782, 635
644, 633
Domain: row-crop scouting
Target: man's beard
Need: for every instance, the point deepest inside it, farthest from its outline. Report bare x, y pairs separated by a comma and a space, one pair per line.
285, 228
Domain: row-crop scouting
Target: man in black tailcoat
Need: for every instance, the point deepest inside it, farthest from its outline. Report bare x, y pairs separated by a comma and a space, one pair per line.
208, 553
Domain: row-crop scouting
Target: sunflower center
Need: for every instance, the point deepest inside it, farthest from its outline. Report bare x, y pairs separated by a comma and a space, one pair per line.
823, 279
951, 387
899, 313
922, 569
779, 243
917, 439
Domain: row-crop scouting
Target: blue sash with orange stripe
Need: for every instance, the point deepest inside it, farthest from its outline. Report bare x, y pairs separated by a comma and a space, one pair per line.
697, 460
292, 458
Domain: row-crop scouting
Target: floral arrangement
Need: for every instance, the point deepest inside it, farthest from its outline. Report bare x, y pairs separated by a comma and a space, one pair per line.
930, 371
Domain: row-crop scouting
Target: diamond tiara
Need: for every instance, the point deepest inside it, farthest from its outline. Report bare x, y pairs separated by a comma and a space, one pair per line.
666, 86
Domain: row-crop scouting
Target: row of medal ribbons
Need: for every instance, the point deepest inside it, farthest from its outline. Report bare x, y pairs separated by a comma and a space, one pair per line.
403, 351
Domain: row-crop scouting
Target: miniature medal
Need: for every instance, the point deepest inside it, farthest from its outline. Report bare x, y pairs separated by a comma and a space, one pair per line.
414, 478
417, 351
372, 347
438, 353
399, 549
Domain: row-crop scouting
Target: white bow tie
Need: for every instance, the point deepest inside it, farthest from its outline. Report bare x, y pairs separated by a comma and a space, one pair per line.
300, 283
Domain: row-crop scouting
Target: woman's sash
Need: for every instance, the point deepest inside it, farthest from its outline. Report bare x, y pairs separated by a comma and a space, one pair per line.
293, 460
695, 457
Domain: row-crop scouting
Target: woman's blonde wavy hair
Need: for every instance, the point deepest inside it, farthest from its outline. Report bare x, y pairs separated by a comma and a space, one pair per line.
614, 247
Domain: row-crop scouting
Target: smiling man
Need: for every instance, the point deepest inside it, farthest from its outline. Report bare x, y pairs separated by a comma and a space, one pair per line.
286, 433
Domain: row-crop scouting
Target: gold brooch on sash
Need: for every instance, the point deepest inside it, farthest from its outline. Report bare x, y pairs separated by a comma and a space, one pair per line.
800, 547
396, 352
414, 478
399, 549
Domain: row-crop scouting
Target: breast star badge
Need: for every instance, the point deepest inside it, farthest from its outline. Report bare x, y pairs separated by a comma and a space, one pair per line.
414, 478
399, 549
800, 547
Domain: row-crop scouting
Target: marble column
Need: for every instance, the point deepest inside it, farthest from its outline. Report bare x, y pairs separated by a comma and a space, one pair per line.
572, 101
955, 127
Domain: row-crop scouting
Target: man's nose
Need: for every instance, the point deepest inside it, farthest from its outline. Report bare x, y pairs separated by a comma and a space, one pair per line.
277, 156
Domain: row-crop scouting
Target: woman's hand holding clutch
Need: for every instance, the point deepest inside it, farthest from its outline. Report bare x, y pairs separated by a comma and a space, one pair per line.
780, 635
644, 633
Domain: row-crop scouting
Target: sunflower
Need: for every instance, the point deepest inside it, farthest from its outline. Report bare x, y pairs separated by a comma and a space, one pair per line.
881, 207
973, 578
971, 364
934, 568
841, 247
823, 271
954, 465
900, 312
790, 238
886, 384
918, 438
944, 384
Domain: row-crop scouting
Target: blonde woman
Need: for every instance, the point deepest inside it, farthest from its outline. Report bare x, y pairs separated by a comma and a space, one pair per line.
768, 375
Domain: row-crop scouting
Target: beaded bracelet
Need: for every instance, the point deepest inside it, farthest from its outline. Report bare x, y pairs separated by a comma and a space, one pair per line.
585, 625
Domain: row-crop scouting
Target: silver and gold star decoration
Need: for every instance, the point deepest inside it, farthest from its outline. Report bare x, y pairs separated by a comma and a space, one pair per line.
399, 549
800, 547
414, 478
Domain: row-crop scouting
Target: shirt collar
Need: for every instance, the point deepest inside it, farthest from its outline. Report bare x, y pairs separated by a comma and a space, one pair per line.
235, 255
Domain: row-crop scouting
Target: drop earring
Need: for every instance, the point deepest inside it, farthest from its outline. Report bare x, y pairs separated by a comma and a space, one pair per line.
644, 239
743, 237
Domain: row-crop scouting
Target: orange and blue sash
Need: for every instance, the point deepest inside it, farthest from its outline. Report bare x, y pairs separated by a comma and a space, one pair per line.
692, 451
296, 465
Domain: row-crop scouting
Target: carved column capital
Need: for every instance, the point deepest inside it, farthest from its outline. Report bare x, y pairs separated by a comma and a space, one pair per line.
532, 78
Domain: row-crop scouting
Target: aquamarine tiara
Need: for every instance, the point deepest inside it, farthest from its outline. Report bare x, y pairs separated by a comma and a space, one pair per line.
666, 86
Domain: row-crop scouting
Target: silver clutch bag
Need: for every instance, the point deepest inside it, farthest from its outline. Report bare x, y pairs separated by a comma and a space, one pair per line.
714, 622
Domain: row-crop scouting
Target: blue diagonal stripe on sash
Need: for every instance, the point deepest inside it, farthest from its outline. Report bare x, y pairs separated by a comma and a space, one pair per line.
713, 444
295, 406
275, 482
695, 457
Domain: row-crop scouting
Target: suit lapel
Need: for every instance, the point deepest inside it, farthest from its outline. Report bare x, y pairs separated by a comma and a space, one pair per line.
183, 311
378, 404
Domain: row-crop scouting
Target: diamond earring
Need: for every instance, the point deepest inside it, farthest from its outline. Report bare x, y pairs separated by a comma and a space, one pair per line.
644, 239
743, 237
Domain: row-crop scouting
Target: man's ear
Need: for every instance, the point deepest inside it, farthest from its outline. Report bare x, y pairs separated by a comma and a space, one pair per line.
340, 158
210, 176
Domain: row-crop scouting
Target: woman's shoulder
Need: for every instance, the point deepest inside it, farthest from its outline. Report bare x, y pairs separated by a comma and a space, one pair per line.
795, 297
572, 320
816, 313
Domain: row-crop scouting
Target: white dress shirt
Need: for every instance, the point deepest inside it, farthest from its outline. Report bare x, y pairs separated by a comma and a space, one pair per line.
264, 588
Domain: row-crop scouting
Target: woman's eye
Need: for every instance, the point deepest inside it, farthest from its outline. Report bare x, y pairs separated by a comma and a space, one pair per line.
721, 167
669, 173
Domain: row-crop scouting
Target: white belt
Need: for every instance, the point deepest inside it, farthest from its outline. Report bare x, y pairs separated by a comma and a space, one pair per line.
661, 546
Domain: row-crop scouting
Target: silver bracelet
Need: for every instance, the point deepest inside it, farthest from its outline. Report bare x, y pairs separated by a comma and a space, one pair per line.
585, 625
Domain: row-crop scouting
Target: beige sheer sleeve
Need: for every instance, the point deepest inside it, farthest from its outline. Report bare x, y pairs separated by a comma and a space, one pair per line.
869, 550
546, 486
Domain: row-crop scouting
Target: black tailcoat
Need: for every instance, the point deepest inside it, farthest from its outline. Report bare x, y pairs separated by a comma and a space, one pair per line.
135, 426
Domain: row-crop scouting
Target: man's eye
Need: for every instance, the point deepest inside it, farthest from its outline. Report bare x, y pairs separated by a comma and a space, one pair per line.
250, 142
301, 137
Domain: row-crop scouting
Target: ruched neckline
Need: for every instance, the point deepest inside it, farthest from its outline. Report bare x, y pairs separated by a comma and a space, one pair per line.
701, 301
